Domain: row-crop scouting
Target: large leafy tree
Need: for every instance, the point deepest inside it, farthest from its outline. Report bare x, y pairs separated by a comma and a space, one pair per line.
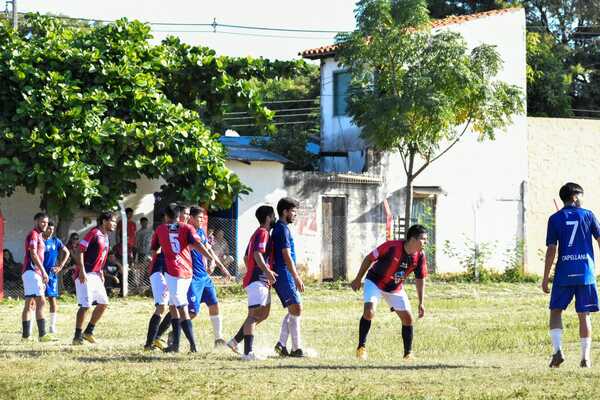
83, 116
418, 92
562, 51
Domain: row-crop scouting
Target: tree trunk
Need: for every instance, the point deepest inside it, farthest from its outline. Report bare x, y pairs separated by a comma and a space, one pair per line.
63, 226
408, 203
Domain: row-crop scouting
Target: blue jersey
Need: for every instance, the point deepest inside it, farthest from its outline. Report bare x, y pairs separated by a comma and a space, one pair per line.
198, 262
53, 247
281, 238
573, 229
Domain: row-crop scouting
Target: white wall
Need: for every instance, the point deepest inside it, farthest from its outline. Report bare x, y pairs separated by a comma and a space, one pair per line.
494, 170
266, 180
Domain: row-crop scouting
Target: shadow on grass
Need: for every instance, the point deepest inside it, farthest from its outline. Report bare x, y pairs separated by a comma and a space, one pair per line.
373, 367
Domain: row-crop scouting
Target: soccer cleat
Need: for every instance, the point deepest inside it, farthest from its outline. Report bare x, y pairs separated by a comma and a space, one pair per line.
27, 339
47, 338
252, 357
409, 356
149, 348
585, 363
361, 353
233, 345
159, 344
281, 350
77, 342
171, 349
557, 359
220, 343
89, 337
298, 353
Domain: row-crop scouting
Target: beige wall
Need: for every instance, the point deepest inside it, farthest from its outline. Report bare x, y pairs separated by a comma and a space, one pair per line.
560, 150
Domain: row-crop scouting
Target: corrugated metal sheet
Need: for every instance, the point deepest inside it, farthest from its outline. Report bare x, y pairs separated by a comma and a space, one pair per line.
241, 149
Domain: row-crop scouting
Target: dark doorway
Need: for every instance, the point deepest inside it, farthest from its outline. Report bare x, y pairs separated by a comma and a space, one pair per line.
333, 255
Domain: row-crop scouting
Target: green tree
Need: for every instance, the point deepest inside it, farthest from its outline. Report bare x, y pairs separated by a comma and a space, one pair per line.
83, 116
418, 92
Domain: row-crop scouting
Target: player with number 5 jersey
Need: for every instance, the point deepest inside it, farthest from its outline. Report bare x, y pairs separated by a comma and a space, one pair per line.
573, 229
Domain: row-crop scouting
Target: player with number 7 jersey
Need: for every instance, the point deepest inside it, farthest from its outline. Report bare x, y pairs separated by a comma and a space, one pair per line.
573, 228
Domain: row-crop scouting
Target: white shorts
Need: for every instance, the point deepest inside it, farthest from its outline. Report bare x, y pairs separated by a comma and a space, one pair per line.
398, 300
259, 294
33, 285
160, 292
178, 288
92, 291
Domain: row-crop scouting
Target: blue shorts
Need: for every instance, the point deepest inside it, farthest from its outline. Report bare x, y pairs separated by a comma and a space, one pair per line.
52, 285
285, 287
201, 291
586, 297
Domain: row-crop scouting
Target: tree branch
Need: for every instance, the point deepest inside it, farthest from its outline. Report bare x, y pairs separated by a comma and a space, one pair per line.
446, 150
403, 160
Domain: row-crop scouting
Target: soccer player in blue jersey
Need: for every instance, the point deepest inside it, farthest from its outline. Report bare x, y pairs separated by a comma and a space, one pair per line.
202, 288
289, 284
572, 228
53, 265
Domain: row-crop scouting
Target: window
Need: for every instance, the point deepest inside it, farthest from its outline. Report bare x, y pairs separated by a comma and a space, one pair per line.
341, 82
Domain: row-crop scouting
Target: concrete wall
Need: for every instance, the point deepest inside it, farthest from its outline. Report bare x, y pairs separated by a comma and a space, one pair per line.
266, 181
485, 176
365, 227
560, 151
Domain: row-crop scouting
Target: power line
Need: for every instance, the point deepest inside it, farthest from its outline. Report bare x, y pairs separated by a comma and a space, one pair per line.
244, 34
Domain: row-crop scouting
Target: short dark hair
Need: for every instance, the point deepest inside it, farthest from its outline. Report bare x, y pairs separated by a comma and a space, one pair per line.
195, 211
415, 231
263, 212
50, 223
568, 190
128, 210
173, 210
40, 215
287, 203
105, 216
143, 219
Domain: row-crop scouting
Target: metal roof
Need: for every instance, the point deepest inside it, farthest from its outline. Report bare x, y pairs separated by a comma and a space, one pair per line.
240, 148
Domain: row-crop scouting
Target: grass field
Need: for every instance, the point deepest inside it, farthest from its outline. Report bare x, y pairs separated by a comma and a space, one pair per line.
476, 342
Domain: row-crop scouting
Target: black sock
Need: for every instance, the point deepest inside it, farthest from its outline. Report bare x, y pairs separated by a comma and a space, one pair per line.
78, 333
176, 333
248, 339
164, 325
407, 338
188, 331
240, 335
26, 328
89, 330
363, 330
41, 323
152, 329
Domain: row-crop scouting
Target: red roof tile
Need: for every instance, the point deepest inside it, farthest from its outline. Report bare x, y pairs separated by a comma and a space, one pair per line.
328, 51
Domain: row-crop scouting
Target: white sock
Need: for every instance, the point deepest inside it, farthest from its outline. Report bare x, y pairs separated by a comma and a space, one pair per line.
53, 322
216, 323
295, 332
586, 347
556, 335
31, 327
285, 331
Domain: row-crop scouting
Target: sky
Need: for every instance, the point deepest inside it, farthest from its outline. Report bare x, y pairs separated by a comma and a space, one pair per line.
329, 15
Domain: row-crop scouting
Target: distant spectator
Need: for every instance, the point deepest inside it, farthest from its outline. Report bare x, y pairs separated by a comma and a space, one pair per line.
12, 270
73, 247
113, 272
131, 229
142, 242
221, 248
